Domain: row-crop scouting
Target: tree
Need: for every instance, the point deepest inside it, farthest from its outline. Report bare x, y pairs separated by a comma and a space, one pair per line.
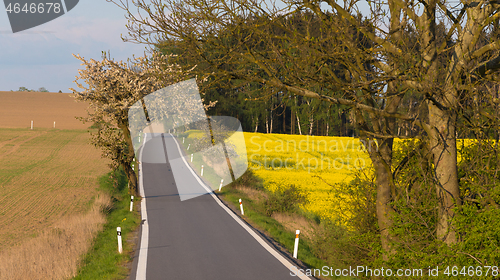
112, 88
23, 89
369, 65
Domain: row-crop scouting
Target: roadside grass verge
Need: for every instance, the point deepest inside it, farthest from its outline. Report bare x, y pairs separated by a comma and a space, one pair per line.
103, 261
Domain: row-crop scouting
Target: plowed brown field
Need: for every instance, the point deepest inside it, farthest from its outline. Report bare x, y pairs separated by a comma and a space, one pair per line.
44, 176
49, 203
18, 109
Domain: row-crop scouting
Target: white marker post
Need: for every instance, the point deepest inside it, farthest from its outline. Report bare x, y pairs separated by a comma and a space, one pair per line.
296, 247
189, 146
182, 140
131, 203
220, 186
54, 124
31, 125
201, 170
119, 232
191, 157
241, 208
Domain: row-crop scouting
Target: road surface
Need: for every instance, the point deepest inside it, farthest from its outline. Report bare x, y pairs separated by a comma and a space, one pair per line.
197, 238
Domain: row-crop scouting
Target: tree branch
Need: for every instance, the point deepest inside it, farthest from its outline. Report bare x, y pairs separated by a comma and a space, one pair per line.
484, 69
487, 48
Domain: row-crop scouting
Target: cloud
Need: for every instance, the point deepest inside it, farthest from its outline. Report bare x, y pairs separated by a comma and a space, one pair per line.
56, 41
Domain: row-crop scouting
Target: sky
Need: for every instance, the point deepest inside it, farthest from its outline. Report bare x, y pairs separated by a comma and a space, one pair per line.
42, 56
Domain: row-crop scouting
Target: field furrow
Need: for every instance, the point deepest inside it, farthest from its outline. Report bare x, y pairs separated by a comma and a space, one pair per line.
16, 143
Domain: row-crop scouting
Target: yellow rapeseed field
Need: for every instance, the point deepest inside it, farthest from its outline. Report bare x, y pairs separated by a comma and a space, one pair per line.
312, 163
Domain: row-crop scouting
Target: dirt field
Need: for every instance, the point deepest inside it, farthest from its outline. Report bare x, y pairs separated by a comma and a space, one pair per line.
44, 108
48, 180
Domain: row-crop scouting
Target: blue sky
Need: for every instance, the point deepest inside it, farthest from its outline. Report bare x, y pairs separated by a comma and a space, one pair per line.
42, 56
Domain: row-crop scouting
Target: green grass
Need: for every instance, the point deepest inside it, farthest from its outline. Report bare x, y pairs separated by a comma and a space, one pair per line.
103, 261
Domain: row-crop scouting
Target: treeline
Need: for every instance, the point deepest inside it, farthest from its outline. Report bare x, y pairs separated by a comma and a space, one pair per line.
42, 89
281, 113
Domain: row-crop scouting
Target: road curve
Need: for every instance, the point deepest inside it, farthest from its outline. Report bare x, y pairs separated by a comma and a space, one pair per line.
198, 238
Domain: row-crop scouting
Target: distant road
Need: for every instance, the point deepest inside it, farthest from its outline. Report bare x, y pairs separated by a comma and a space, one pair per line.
196, 238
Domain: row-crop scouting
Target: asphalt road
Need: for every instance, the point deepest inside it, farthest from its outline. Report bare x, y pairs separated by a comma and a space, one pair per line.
195, 238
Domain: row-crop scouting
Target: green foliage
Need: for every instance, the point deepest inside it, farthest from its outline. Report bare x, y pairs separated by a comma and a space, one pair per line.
285, 199
353, 239
477, 220
415, 204
248, 179
42, 89
24, 89
338, 245
480, 237
260, 107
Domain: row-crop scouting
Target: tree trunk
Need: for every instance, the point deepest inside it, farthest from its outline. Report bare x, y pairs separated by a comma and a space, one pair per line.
271, 123
381, 157
132, 178
298, 124
383, 175
444, 156
328, 121
267, 124
128, 158
311, 123
284, 119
